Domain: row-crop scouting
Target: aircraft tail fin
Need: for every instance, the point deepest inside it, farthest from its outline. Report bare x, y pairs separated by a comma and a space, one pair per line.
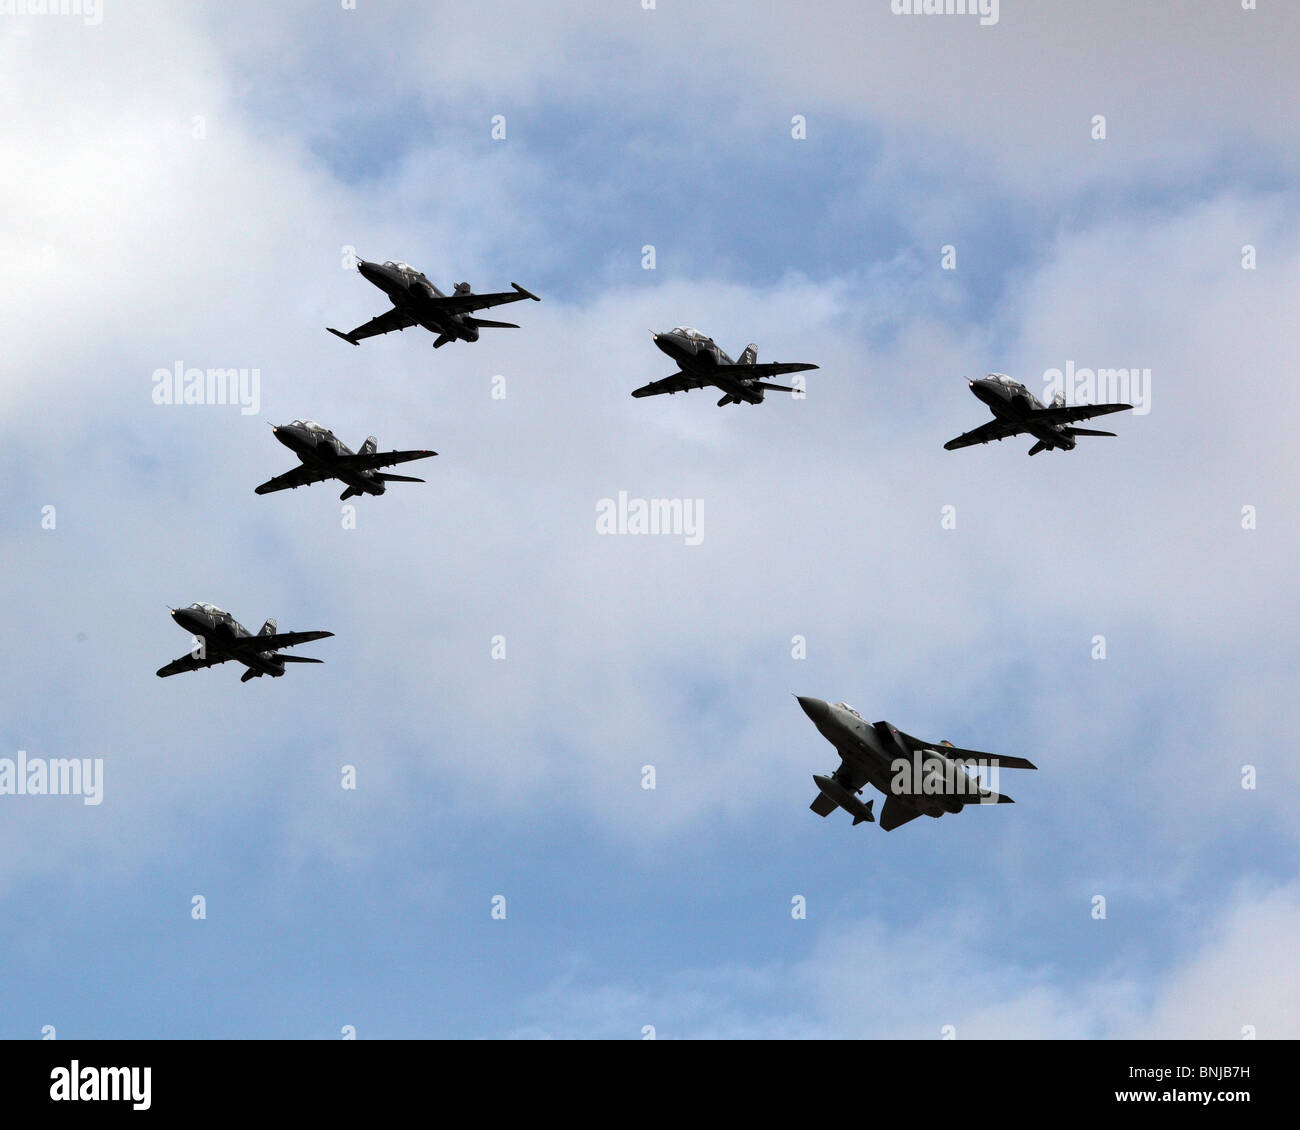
749, 356
1058, 401
268, 629
369, 447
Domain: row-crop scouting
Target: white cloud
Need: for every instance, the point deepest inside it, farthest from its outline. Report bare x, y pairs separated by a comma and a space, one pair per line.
952, 976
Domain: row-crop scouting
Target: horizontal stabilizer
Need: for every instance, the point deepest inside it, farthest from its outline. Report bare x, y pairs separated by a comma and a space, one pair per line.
1086, 432
297, 659
484, 323
385, 477
896, 813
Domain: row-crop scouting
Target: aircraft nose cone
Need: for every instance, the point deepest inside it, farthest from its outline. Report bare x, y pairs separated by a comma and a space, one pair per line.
815, 708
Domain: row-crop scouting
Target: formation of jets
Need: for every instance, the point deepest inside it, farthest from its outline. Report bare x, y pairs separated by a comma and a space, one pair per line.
917, 778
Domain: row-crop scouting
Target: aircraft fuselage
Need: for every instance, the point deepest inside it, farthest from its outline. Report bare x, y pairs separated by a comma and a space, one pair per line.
1016, 405
411, 293
701, 358
880, 754
322, 452
223, 635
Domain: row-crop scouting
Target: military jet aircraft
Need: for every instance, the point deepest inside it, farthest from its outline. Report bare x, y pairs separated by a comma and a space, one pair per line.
1018, 410
417, 302
917, 778
222, 638
702, 363
325, 456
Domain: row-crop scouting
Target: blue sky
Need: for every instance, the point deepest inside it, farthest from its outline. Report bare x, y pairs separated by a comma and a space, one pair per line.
183, 186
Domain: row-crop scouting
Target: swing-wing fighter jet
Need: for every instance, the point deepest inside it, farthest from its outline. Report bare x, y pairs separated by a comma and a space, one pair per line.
918, 778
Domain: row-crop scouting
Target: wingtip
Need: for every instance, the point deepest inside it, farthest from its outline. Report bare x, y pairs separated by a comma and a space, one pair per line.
340, 333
